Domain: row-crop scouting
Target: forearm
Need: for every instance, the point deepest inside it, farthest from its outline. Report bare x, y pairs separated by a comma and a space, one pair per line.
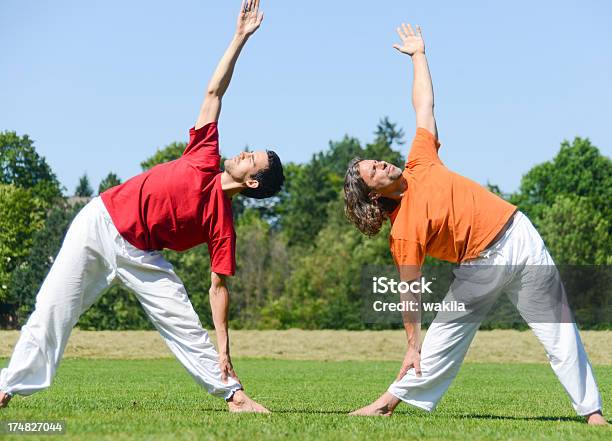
412, 319
219, 304
422, 87
222, 76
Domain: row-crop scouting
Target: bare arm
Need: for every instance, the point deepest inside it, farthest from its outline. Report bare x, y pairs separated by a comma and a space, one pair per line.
219, 304
248, 22
422, 88
412, 326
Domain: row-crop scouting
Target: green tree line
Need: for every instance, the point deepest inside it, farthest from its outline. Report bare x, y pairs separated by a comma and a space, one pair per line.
299, 262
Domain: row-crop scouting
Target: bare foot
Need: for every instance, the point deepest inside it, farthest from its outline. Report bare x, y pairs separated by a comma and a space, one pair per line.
384, 406
240, 402
596, 419
4, 399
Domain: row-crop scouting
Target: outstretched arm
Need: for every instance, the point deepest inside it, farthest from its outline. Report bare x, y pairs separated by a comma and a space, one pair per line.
422, 88
249, 21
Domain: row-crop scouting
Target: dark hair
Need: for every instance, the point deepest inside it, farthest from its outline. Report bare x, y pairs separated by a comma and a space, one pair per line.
270, 179
366, 213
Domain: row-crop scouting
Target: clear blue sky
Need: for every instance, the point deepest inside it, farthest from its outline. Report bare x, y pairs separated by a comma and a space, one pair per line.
99, 86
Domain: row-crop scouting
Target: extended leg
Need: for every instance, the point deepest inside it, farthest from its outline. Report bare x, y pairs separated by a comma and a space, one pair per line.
79, 274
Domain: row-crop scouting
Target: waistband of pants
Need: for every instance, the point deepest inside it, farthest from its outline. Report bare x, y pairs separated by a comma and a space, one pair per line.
505, 233
99, 205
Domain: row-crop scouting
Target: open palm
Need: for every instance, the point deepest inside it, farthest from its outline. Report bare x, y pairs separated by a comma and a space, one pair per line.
249, 18
411, 42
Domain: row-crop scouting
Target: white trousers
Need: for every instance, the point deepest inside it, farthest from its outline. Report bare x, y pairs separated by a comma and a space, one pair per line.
92, 256
447, 341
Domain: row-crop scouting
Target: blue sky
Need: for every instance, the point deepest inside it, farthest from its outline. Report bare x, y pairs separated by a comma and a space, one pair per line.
99, 86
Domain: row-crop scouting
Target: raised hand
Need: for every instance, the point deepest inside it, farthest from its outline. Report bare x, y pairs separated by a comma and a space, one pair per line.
249, 18
411, 43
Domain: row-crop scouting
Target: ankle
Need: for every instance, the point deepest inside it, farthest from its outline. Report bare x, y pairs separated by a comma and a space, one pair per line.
238, 397
389, 401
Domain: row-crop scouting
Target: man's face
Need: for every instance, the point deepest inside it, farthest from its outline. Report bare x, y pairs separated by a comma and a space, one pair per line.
379, 175
245, 165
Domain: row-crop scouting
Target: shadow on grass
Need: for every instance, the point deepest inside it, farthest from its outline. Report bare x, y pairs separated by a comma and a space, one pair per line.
526, 418
288, 411
573, 419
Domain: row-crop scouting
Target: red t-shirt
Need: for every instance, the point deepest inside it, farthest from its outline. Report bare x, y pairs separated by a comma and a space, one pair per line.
179, 204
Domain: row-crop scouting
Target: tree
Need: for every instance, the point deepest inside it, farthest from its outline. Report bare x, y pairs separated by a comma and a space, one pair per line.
323, 289
262, 267
169, 153
84, 189
22, 166
575, 232
578, 169
21, 214
303, 207
32, 270
111, 180
309, 188
388, 133
116, 309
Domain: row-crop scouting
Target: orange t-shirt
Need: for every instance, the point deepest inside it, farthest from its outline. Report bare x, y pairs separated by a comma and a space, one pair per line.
441, 214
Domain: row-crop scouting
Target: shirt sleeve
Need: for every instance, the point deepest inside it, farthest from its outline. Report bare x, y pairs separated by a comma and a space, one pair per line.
222, 252
203, 145
424, 149
409, 256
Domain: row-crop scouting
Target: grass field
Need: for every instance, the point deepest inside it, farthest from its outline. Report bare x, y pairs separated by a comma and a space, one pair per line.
156, 399
499, 346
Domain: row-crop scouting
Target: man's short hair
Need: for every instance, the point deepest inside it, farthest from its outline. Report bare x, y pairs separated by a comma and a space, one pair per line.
270, 179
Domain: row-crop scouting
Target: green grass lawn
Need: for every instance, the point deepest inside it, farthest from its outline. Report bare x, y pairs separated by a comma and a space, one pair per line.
156, 399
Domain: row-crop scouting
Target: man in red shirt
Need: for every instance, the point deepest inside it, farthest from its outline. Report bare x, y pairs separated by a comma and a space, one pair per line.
118, 237
436, 212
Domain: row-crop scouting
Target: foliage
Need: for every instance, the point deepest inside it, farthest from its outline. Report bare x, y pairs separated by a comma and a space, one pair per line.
83, 189
118, 309
169, 153
22, 166
576, 232
111, 180
568, 199
21, 215
299, 262
309, 188
578, 169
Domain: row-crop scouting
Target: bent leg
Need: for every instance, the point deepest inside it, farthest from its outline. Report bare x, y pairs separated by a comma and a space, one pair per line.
477, 285
443, 351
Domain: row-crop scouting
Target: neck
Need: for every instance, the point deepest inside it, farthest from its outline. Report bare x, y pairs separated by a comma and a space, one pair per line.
396, 190
229, 186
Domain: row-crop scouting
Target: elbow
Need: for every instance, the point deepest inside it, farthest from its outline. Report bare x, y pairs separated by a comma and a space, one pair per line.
424, 107
216, 281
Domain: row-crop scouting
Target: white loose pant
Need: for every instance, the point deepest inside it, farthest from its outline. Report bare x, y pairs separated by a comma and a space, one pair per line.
92, 256
447, 341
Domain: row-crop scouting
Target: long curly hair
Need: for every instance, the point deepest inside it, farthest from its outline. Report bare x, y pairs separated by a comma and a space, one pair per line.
367, 214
